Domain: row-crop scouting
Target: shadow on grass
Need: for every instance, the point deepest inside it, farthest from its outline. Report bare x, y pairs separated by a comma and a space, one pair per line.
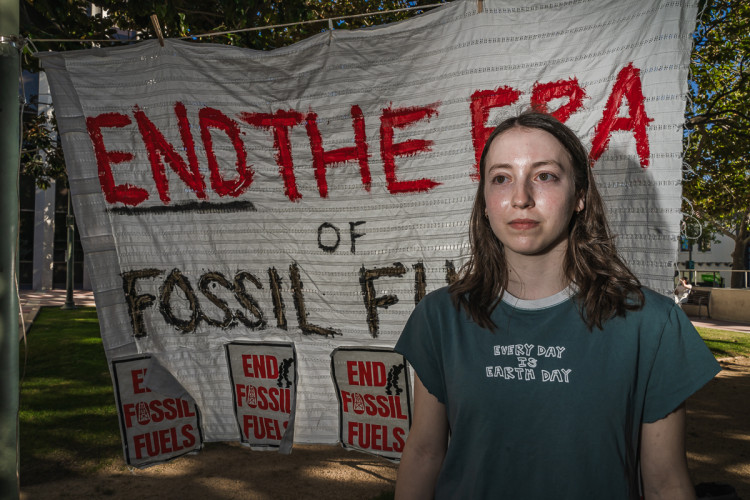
68, 423
724, 348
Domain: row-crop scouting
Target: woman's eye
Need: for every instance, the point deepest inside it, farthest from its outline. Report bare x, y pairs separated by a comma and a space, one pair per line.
499, 179
544, 177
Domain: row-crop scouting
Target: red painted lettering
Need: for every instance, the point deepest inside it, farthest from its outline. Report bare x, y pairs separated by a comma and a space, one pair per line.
137, 377
129, 413
262, 427
140, 442
370, 373
240, 392
188, 435
213, 118
386, 406
627, 86
280, 123
184, 409
260, 366
264, 398
158, 148
322, 158
163, 441
156, 411
113, 193
482, 101
400, 118
398, 436
375, 437
543, 93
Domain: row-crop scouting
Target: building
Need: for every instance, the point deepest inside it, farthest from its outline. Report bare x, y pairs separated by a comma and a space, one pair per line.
42, 231
711, 261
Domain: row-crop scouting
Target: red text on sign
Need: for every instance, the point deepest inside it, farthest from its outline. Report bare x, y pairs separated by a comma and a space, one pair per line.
262, 427
376, 437
370, 373
158, 410
264, 398
137, 377
260, 366
372, 404
164, 441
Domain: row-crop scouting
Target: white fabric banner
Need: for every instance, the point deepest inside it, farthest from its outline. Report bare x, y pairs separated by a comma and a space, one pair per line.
312, 194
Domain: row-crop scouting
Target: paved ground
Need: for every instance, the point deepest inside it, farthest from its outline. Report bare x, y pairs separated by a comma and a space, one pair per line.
31, 301
721, 325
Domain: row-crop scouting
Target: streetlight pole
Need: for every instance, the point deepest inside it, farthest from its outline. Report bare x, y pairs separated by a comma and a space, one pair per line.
10, 139
70, 255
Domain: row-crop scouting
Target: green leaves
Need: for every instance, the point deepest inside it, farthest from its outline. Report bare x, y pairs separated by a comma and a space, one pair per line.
41, 154
717, 139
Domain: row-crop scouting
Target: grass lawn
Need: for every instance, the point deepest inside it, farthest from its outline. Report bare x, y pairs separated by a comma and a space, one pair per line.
725, 343
68, 421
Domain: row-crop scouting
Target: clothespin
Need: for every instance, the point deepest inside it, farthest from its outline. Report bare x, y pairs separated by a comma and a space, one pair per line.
330, 31
480, 6
157, 29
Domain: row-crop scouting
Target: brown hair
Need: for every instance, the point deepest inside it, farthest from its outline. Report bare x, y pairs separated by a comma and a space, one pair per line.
606, 287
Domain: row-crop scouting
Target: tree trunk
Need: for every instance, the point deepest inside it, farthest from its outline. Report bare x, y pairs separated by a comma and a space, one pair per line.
738, 259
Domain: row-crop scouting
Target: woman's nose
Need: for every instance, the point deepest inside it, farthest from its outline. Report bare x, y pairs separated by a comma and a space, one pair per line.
522, 195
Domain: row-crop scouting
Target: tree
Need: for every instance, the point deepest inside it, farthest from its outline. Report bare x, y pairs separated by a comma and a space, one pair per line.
717, 150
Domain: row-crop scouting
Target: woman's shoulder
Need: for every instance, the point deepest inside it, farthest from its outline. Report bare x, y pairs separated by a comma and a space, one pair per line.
436, 306
657, 304
652, 297
436, 298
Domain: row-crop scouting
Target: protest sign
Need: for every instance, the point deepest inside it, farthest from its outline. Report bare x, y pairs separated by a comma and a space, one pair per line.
373, 389
155, 426
263, 377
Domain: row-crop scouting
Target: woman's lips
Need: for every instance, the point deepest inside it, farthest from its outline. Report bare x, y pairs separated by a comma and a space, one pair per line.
522, 224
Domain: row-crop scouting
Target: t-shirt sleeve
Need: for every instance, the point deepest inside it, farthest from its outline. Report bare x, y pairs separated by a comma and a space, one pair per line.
682, 365
420, 344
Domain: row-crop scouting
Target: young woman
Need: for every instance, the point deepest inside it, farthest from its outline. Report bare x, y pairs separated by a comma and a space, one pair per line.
546, 370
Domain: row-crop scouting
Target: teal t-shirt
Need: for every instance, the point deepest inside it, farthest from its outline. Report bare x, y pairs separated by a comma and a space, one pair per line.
544, 408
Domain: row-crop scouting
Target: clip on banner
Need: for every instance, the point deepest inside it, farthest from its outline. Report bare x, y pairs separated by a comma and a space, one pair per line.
157, 29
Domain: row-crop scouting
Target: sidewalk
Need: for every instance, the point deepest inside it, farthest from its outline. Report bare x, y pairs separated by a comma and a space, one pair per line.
31, 301
720, 325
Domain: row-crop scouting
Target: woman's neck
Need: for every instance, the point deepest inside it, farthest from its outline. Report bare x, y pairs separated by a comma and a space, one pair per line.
536, 277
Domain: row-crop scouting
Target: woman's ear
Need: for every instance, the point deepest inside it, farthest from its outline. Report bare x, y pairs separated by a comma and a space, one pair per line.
581, 204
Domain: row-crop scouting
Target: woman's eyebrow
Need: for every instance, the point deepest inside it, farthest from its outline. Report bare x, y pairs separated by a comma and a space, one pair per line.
536, 164
497, 166
544, 163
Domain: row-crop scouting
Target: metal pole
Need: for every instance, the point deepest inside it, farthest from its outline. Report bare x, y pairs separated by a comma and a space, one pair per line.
10, 137
70, 260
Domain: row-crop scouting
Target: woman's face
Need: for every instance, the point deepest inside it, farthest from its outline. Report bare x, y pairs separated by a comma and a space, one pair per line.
530, 192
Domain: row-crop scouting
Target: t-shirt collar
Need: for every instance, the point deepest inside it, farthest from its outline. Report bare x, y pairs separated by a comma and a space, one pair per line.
543, 303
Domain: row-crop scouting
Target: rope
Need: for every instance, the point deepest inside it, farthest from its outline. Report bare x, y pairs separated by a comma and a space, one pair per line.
258, 28
329, 20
